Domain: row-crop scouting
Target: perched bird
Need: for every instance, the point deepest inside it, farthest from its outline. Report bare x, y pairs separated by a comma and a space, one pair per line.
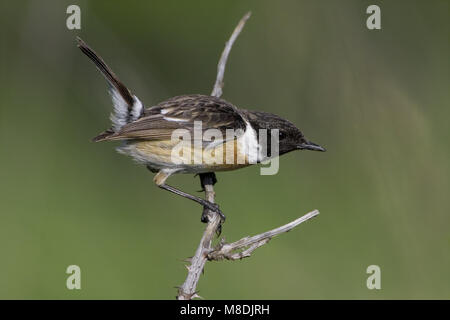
147, 133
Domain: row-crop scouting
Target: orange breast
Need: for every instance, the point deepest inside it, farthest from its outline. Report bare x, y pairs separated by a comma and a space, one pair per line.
226, 156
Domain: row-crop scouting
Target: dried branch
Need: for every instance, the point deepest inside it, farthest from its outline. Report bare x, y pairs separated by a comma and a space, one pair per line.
187, 290
217, 91
241, 248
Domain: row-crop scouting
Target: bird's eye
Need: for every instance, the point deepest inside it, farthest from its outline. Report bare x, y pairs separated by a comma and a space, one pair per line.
282, 135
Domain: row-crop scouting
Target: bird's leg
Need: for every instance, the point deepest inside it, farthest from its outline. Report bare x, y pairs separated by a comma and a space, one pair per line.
206, 204
208, 178
160, 179
208, 175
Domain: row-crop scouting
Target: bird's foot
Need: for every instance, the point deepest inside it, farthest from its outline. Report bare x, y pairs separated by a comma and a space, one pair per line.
213, 207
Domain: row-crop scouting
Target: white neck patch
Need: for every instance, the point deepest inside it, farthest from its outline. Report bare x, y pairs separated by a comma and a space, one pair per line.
249, 144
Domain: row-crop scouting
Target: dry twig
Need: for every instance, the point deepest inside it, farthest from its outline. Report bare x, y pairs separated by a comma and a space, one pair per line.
241, 248
217, 91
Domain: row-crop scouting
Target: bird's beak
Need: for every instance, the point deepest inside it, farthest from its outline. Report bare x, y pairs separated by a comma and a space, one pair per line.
308, 145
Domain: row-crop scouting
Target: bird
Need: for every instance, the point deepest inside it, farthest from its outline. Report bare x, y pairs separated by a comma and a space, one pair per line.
147, 133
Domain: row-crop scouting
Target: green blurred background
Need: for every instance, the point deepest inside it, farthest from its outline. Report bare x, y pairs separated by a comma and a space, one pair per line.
377, 100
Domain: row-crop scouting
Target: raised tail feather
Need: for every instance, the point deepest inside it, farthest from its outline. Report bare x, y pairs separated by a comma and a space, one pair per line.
127, 107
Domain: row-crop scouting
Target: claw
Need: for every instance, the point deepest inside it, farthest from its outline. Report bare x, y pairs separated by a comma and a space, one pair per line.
219, 229
204, 217
213, 207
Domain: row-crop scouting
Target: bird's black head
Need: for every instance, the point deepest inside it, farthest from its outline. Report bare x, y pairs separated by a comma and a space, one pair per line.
290, 137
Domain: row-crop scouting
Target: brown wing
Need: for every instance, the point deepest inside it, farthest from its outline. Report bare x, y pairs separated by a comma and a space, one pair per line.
158, 122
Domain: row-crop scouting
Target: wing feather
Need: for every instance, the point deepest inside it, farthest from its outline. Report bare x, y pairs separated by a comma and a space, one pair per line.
159, 122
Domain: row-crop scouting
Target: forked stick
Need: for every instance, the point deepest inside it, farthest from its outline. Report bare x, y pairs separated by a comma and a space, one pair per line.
241, 248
